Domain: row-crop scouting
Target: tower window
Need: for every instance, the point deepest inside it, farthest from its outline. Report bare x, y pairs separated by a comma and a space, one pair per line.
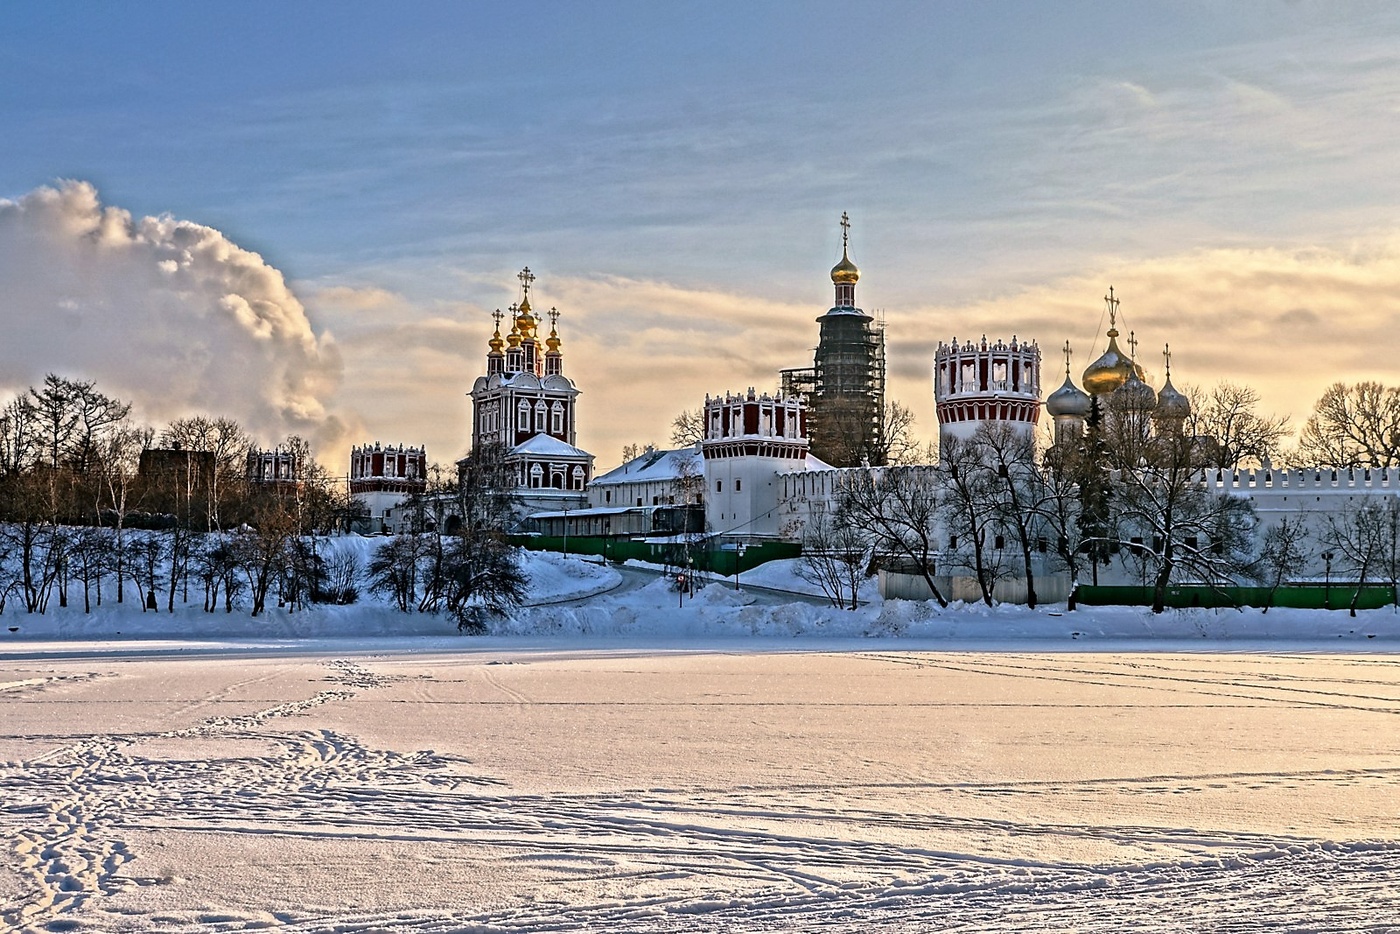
719, 486
737, 485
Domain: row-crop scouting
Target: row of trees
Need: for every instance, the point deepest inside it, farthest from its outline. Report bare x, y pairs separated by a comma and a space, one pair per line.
89, 497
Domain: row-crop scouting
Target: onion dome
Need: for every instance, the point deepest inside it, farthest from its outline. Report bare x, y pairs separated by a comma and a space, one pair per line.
514, 338
1111, 370
1134, 393
1171, 404
525, 318
553, 341
495, 343
1068, 400
845, 271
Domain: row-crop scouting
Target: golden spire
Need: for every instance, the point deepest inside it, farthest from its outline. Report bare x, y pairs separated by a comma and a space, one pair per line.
515, 337
553, 342
496, 343
524, 315
845, 271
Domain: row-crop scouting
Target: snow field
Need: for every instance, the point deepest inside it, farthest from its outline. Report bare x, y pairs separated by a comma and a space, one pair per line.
581, 787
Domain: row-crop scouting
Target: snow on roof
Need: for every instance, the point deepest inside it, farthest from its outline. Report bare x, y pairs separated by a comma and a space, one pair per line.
585, 513
655, 466
548, 446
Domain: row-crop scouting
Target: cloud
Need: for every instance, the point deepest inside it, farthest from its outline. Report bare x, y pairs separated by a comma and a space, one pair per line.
166, 313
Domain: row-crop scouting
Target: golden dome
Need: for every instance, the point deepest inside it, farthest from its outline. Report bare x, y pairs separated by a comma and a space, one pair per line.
495, 343
1111, 370
553, 341
514, 338
845, 271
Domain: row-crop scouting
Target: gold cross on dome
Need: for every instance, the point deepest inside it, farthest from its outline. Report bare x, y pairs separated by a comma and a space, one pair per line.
1132, 344
1067, 357
1112, 303
845, 229
1167, 352
498, 316
553, 316
526, 278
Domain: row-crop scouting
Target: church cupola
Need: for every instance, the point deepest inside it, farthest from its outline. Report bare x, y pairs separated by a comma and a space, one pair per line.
514, 354
1173, 408
1114, 368
1069, 406
845, 273
495, 357
553, 358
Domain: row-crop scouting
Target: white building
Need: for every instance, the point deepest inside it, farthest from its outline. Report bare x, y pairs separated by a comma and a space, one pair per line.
525, 404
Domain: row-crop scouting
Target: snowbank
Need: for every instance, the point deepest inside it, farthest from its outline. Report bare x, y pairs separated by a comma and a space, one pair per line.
571, 597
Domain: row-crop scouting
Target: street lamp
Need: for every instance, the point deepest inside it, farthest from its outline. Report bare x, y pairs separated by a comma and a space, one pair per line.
1327, 585
738, 554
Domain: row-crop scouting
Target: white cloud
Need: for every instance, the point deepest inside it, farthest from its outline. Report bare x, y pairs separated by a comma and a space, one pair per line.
166, 313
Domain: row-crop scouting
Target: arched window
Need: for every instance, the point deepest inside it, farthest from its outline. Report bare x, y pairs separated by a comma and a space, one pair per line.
556, 419
523, 424
536, 477
578, 478
539, 415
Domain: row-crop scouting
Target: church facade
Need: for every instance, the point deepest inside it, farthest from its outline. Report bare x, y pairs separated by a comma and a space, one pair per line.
527, 407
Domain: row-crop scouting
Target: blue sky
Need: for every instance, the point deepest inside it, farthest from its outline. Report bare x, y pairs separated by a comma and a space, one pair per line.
673, 173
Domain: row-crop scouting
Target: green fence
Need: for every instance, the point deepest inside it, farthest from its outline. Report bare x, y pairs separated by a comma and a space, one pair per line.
709, 559
1301, 596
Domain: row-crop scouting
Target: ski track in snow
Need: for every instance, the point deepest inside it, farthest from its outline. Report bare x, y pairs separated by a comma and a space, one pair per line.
745, 858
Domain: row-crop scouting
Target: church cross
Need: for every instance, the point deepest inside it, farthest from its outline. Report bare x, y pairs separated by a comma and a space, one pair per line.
1067, 356
1132, 344
1167, 352
845, 230
498, 316
1112, 308
526, 278
553, 318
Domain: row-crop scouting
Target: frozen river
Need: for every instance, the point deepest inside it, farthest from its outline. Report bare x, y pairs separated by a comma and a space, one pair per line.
699, 789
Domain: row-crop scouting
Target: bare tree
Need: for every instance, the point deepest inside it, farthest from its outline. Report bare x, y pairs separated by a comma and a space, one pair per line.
970, 510
834, 558
1354, 425
1364, 537
899, 507
1019, 491
397, 569
688, 428
1283, 553
1232, 433
226, 442
1174, 527
1067, 473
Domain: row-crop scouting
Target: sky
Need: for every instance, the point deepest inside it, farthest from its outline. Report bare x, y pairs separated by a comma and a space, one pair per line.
302, 215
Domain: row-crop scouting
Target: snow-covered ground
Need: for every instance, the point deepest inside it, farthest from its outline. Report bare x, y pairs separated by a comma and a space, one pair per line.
621, 762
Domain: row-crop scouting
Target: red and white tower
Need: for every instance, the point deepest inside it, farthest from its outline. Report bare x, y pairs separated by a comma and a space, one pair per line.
981, 383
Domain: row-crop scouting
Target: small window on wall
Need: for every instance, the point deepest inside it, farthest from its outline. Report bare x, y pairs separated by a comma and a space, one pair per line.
607, 496
738, 485
719, 486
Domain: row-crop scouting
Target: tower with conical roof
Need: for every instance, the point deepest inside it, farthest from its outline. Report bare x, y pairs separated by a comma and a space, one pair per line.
525, 404
847, 397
